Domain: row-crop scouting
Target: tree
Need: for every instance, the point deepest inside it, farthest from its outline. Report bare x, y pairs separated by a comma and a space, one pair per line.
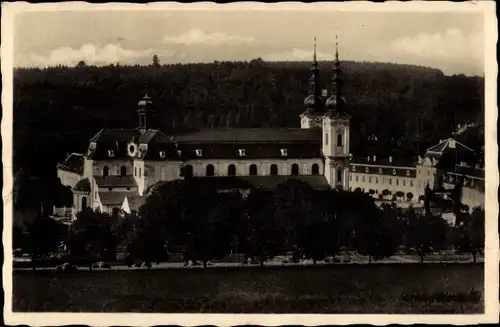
156, 61
400, 194
295, 210
170, 216
425, 234
470, 236
385, 192
44, 238
91, 239
81, 64
264, 236
409, 196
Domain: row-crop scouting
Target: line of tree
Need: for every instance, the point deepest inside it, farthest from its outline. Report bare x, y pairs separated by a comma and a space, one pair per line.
56, 110
194, 219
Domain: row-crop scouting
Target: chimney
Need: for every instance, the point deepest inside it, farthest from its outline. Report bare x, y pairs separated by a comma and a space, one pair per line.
390, 159
374, 158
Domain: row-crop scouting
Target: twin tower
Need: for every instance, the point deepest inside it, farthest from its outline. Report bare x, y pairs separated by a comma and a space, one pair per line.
331, 116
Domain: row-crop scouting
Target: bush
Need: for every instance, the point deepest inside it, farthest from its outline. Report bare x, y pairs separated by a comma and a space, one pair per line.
371, 192
380, 196
421, 198
385, 192
358, 189
400, 194
409, 196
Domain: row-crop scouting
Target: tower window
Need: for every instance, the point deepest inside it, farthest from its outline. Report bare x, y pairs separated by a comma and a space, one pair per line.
315, 169
231, 170
105, 171
295, 169
340, 140
111, 153
339, 176
253, 170
274, 170
162, 154
210, 171
284, 153
123, 171
326, 138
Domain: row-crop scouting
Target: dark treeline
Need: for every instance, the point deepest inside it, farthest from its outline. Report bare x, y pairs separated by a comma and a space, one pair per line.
56, 110
194, 219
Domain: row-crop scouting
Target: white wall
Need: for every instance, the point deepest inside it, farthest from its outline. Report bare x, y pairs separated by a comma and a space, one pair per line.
68, 178
379, 183
263, 166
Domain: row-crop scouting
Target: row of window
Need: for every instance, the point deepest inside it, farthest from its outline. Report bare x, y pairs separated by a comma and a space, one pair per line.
363, 179
380, 170
340, 139
252, 171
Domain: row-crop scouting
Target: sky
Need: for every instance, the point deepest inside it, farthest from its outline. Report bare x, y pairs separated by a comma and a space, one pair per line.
451, 42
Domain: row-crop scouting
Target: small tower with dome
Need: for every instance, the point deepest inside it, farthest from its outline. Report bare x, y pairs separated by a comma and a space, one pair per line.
336, 132
145, 112
312, 116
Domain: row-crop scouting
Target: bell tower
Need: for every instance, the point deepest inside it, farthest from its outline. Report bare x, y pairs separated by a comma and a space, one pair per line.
145, 113
336, 133
311, 117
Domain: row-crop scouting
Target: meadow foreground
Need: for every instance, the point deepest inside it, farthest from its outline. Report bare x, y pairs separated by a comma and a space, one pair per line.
375, 288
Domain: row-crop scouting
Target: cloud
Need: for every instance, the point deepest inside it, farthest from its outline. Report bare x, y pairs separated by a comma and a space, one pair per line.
197, 36
297, 55
450, 44
90, 53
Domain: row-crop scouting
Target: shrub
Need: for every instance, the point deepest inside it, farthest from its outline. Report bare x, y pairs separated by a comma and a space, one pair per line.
371, 192
385, 192
421, 198
380, 196
400, 194
409, 196
358, 189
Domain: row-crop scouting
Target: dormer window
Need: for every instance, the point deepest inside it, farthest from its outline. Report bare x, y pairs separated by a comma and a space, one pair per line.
162, 154
353, 168
394, 171
111, 153
367, 169
284, 153
242, 152
179, 153
198, 153
380, 170
407, 173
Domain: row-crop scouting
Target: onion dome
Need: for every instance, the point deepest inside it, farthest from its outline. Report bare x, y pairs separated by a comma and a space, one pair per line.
145, 102
313, 101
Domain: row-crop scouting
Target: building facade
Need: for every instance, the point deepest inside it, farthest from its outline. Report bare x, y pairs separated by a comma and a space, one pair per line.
120, 165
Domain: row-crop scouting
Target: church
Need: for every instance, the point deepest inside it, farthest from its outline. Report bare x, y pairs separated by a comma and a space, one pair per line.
121, 166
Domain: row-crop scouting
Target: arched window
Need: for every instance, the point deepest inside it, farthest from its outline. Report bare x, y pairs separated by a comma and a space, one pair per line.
274, 170
123, 171
84, 202
105, 171
231, 170
315, 169
210, 170
340, 140
295, 169
339, 176
253, 170
187, 171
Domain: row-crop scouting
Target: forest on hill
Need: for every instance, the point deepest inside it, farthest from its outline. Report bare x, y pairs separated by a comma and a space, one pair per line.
57, 110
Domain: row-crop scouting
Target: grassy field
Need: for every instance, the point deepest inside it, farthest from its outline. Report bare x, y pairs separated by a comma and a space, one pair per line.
376, 288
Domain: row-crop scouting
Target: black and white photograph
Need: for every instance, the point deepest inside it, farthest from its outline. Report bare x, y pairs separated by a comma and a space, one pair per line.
290, 163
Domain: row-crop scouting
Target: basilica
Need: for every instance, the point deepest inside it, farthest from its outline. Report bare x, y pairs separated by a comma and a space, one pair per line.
121, 166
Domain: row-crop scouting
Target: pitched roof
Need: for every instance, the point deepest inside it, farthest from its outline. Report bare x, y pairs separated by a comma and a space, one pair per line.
114, 198
251, 135
396, 161
135, 202
115, 181
83, 185
154, 136
110, 136
448, 144
73, 163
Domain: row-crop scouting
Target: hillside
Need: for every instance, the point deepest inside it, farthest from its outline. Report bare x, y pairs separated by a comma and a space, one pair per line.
57, 110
